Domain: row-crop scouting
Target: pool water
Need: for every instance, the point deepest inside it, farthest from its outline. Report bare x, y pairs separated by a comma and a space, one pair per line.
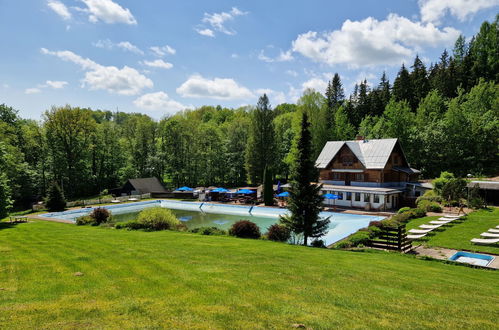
472, 258
196, 214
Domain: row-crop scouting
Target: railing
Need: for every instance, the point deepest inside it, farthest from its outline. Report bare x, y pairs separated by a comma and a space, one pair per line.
85, 202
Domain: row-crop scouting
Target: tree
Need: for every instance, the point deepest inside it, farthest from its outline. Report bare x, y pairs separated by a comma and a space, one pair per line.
419, 82
402, 86
335, 96
268, 187
305, 202
344, 130
55, 200
5, 196
261, 141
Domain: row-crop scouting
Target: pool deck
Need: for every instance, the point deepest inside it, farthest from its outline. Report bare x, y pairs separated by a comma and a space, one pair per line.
445, 254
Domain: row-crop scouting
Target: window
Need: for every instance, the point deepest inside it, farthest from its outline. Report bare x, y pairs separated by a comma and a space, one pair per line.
357, 197
359, 177
376, 198
336, 176
367, 198
346, 160
349, 196
340, 194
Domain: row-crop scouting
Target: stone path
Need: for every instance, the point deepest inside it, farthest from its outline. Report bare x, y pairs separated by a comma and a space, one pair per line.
445, 254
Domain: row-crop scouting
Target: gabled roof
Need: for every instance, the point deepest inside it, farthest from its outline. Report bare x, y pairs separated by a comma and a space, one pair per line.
147, 185
373, 154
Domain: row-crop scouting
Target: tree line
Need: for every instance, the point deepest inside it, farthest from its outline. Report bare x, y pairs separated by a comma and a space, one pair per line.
446, 116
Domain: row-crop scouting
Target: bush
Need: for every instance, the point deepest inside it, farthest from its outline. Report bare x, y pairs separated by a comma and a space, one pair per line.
209, 231
362, 237
55, 200
245, 229
100, 215
318, 243
158, 218
404, 209
278, 233
85, 220
417, 213
131, 225
431, 196
429, 206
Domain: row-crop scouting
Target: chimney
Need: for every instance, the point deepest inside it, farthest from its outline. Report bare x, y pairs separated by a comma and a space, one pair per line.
359, 138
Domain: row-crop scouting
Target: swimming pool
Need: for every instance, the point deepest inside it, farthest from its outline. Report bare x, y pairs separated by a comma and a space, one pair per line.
197, 214
472, 258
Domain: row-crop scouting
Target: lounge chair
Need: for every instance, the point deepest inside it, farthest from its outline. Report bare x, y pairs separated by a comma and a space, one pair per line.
447, 219
415, 236
485, 241
492, 230
490, 235
420, 231
115, 201
437, 222
430, 226
497, 227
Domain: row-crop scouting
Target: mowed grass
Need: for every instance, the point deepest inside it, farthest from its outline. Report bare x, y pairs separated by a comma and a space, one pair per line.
457, 235
182, 280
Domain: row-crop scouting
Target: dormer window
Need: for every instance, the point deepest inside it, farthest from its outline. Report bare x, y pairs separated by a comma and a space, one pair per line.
347, 160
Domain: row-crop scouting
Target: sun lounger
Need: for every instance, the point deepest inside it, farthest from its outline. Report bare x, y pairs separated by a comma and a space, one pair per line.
497, 227
437, 222
420, 231
485, 240
115, 201
415, 236
430, 226
492, 230
490, 235
453, 216
447, 219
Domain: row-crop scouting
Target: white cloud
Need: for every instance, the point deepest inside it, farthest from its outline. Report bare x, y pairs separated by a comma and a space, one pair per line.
218, 88
108, 12
292, 73
275, 97
123, 45
32, 91
319, 85
434, 10
56, 84
162, 51
158, 101
124, 81
158, 64
282, 57
206, 32
371, 42
217, 22
60, 9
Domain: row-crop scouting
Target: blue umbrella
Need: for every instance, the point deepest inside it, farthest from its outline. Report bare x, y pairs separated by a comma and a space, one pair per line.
220, 190
245, 191
185, 189
283, 194
330, 196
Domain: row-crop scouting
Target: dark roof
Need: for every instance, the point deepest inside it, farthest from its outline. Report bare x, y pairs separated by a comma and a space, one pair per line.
407, 170
147, 185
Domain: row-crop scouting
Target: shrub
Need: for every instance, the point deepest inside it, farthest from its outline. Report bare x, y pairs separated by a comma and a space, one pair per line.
100, 215
131, 225
209, 231
417, 213
360, 237
245, 229
158, 218
278, 233
431, 196
55, 200
318, 243
85, 220
404, 209
429, 206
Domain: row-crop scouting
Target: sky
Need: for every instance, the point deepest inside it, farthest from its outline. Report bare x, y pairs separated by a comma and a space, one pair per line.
158, 57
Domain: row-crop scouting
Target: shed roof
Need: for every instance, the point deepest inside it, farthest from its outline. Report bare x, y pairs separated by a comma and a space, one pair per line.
487, 185
147, 185
373, 154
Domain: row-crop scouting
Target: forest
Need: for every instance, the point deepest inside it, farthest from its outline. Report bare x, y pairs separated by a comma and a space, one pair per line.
445, 115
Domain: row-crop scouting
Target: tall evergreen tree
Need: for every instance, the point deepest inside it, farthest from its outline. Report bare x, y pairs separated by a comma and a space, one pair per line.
419, 82
268, 187
55, 198
305, 203
402, 86
261, 141
335, 96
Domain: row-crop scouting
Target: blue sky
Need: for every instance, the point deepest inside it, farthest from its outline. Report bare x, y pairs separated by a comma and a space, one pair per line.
158, 57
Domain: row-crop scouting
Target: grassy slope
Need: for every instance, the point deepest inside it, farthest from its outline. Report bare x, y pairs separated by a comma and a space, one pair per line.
168, 279
458, 235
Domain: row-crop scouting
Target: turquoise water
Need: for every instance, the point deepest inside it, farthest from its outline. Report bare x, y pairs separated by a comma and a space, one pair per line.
197, 214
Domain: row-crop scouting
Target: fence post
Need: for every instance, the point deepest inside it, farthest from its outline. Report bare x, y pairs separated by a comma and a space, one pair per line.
399, 238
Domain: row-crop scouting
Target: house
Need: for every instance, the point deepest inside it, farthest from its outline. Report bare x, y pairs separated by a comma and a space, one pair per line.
140, 186
368, 174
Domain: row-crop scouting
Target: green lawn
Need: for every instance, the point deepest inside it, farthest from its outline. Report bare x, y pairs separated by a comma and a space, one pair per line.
182, 280
459, 234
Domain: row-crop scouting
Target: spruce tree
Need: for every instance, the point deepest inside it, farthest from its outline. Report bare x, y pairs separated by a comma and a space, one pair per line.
261, 141
55, 199
305, 202
335, 96
5, 196
402, 87
419, 82
268, 187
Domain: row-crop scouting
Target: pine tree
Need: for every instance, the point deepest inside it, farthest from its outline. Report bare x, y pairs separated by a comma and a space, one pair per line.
305, 202
55, 199
268, 187
5, 196
402, 87
261, 141
419, 82
335, 96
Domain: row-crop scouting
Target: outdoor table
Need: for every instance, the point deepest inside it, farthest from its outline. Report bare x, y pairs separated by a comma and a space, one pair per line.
18, 218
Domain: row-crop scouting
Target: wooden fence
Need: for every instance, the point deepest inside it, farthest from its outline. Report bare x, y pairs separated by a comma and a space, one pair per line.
392, 239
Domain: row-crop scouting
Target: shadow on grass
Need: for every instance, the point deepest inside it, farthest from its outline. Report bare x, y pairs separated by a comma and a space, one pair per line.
7, 225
